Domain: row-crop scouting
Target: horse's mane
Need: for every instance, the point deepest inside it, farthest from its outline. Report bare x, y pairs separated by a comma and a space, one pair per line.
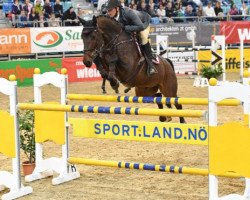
109, 23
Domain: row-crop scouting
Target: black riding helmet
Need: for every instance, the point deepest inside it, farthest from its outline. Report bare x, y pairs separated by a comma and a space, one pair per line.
113, 4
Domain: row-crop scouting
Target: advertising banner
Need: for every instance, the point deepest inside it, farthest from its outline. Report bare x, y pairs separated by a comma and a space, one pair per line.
180, 33
78, 72
232, 59
140, 131
56, 39
182, 67
234, 31
15, 41
24, 69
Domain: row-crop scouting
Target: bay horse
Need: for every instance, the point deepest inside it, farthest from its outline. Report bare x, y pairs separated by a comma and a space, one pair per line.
93, 40
125, 62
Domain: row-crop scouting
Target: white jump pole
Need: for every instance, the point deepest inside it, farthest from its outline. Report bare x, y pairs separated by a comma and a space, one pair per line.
241, 59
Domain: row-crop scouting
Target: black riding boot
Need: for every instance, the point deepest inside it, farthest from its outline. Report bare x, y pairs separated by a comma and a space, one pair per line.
149, 56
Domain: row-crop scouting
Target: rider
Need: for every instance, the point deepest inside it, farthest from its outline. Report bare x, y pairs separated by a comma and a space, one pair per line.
134, 21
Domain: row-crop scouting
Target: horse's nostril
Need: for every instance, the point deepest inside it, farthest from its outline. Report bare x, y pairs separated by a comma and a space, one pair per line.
88, 63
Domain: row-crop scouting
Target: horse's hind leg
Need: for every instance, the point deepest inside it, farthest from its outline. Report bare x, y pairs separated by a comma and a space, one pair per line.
152, 92
160, 106
103, 86
179, 107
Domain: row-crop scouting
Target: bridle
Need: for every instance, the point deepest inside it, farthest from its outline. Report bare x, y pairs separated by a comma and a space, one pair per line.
95, 49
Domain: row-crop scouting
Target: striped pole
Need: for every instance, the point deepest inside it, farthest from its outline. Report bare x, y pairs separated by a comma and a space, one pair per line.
142, 166
200, 48
190, 60
163, 100
114, 110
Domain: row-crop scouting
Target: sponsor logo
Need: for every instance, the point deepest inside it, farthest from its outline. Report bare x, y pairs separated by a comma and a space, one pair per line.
48, 39
13, 39
244, 34
87, 73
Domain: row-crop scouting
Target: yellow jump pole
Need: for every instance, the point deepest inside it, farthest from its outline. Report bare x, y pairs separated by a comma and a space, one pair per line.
114, 110
164, 100
140, 166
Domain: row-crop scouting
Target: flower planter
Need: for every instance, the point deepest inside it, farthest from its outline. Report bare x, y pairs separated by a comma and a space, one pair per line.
28, 168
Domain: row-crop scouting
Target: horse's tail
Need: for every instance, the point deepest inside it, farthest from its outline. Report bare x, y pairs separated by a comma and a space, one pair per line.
171, 63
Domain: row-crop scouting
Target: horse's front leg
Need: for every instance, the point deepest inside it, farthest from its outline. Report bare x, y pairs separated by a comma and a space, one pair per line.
103, 86
114, 83
112, 60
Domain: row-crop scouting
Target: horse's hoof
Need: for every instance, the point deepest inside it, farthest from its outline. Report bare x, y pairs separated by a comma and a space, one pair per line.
127, 90
104, 92
169, 119
162, 119
117, 91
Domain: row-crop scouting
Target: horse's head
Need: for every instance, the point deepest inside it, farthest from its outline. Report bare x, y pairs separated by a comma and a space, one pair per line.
92, 41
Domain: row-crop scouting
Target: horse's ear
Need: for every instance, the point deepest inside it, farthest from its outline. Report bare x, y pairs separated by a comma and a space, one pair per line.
94, 20
82, 21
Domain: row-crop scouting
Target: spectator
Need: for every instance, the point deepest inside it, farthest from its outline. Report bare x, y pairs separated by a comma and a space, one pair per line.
133, 6
47, 9
209, 12
218, 8
244, 11
41, 2
163, 2
16, 8
189, 14
180, 13
177, 4
233, 11
170, 10
193, 4
23, 19
53, 21
131, 3
151, 10
218, 11
200, 12
33, 17
152, 4
70, 17
42, 21
58, 9
161, 12
38, 6
27, 7
143, 6
15, 12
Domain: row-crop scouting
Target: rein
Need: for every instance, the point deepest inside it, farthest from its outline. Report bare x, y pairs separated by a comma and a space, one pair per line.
111, 44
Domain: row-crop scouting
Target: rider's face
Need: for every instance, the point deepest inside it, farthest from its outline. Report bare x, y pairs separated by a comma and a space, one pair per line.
112, 12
